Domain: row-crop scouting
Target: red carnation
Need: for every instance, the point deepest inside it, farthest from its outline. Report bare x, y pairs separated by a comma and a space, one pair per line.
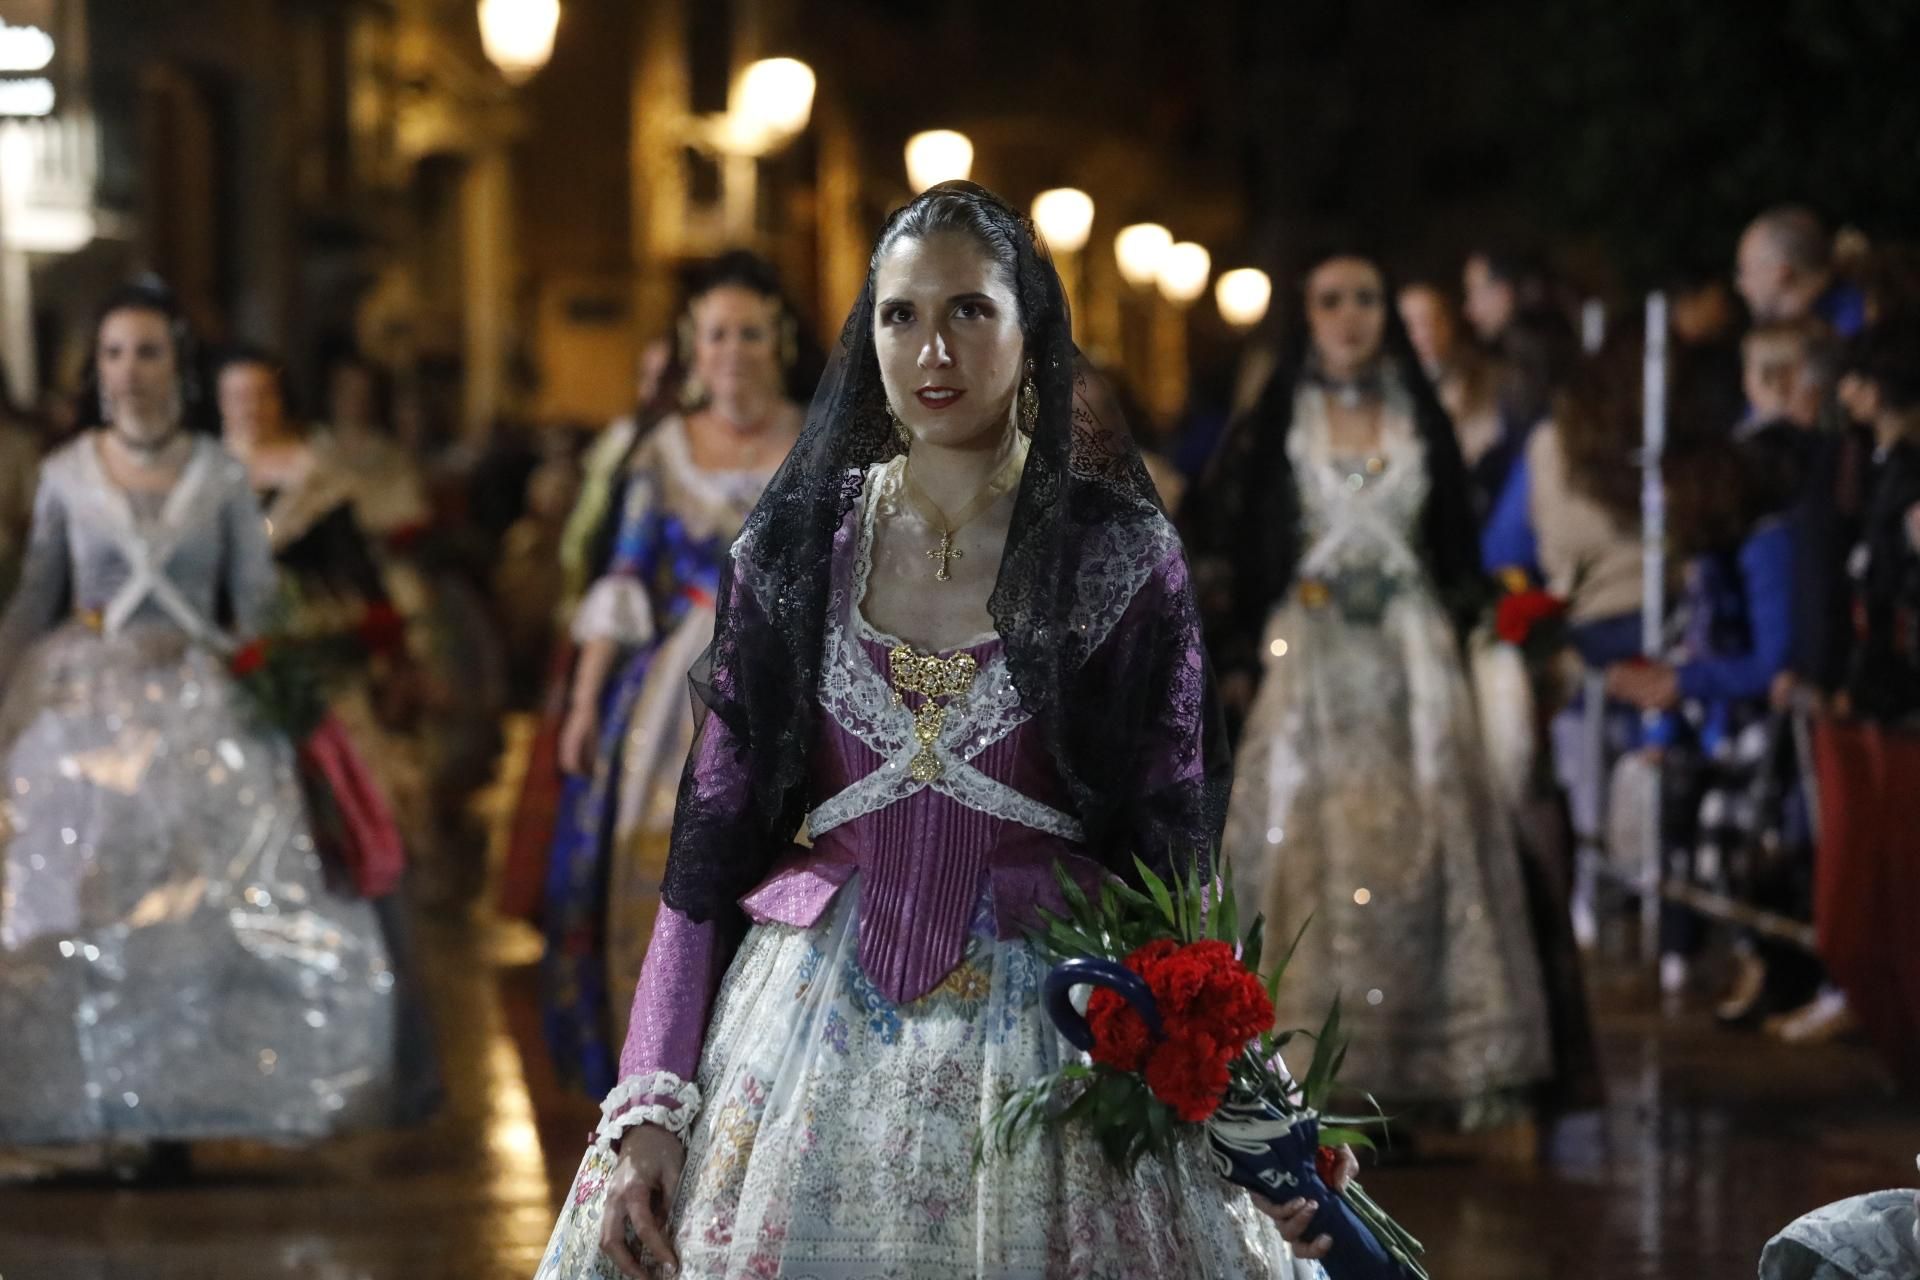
1522, 611
249, 658
1189, 1074
382, 629
1210, 1006
1326, 1163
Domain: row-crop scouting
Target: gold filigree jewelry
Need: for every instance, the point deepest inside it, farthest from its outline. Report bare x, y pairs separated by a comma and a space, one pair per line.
934, 679
1029, 406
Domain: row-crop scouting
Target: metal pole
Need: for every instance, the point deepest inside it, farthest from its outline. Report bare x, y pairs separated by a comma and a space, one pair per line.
1653, 607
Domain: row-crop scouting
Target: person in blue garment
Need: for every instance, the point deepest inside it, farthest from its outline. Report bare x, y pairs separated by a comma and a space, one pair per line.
1731, 518
691, 481
1784, 270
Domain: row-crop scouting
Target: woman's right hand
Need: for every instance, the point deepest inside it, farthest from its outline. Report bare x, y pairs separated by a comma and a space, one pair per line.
645, 1181
579, 736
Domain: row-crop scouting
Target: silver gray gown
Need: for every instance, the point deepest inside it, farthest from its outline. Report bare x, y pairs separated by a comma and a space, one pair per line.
174, 962
1362, 800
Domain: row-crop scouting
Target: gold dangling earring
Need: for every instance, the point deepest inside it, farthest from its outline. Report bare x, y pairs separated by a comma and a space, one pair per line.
1029, 407
900, 432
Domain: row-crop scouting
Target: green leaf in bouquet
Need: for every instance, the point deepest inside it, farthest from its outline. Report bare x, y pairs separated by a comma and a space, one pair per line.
1157, 889
1197, 904
1255, 942
1280, 970
1075, 896
1226, 915
1160, 1125
1340, 1136
1326, 1051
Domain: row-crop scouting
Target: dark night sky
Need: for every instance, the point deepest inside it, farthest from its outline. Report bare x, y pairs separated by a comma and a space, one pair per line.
1623, 132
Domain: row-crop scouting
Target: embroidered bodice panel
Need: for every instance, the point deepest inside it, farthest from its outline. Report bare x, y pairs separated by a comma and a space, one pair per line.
1359, 514
92, 551
868, 687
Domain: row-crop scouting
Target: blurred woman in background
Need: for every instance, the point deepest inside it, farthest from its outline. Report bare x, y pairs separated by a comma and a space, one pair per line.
1337, 561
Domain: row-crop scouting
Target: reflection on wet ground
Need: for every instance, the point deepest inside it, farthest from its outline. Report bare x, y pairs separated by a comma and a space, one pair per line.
1710, 1141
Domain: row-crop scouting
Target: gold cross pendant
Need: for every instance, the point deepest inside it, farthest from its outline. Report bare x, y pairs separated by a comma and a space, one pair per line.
946, 553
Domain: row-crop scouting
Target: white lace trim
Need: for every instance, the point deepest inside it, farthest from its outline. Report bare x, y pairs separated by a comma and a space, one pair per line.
615, 608
857, 695
710, 503
619, 1112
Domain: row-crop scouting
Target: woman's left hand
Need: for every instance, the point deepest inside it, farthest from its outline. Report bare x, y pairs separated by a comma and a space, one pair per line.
1295, 1217
1348, 1166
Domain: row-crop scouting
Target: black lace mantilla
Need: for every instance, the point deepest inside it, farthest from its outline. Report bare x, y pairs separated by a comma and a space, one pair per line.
1100, 714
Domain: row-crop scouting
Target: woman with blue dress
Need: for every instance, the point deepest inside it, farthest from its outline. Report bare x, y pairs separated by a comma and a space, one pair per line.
692, 480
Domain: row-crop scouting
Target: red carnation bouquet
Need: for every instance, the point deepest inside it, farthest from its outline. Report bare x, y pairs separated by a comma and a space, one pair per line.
1179, 1035
290, 677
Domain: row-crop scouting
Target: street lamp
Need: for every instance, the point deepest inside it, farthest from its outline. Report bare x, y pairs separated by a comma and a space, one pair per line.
518, 35
774, 96
1183, 273
1139, 249
1243, 296
937, 156
1065, 217
771, 102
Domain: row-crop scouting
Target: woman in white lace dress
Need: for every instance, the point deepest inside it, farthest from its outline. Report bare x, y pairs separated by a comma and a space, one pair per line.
1333, 535
957, 656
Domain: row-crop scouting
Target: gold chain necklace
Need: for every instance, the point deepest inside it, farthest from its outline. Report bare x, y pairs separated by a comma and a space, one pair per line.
946, 553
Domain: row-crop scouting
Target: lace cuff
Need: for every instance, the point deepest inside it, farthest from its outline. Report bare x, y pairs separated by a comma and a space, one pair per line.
660, 1097
616, 608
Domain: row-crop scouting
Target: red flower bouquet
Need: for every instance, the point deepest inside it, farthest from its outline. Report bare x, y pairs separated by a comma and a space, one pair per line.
1530, 620
289, 677
1178, 1035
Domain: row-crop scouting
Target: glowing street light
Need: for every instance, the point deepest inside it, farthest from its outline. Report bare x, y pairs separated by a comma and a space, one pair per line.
1183, 273
518, 35
937, 156
1243, 296
774, 99
1139, 249
1065, 217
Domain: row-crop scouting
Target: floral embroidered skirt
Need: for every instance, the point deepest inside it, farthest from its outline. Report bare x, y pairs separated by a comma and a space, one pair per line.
837, 1140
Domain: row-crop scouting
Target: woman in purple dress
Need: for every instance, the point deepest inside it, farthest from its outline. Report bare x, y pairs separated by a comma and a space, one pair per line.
956, 645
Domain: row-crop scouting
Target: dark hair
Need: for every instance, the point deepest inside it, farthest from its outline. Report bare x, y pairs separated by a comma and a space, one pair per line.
1716, 494
1522, 270
246, 354
149, 293
1889, 358
1537, 352
1597, 414
963, 208
741, 269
